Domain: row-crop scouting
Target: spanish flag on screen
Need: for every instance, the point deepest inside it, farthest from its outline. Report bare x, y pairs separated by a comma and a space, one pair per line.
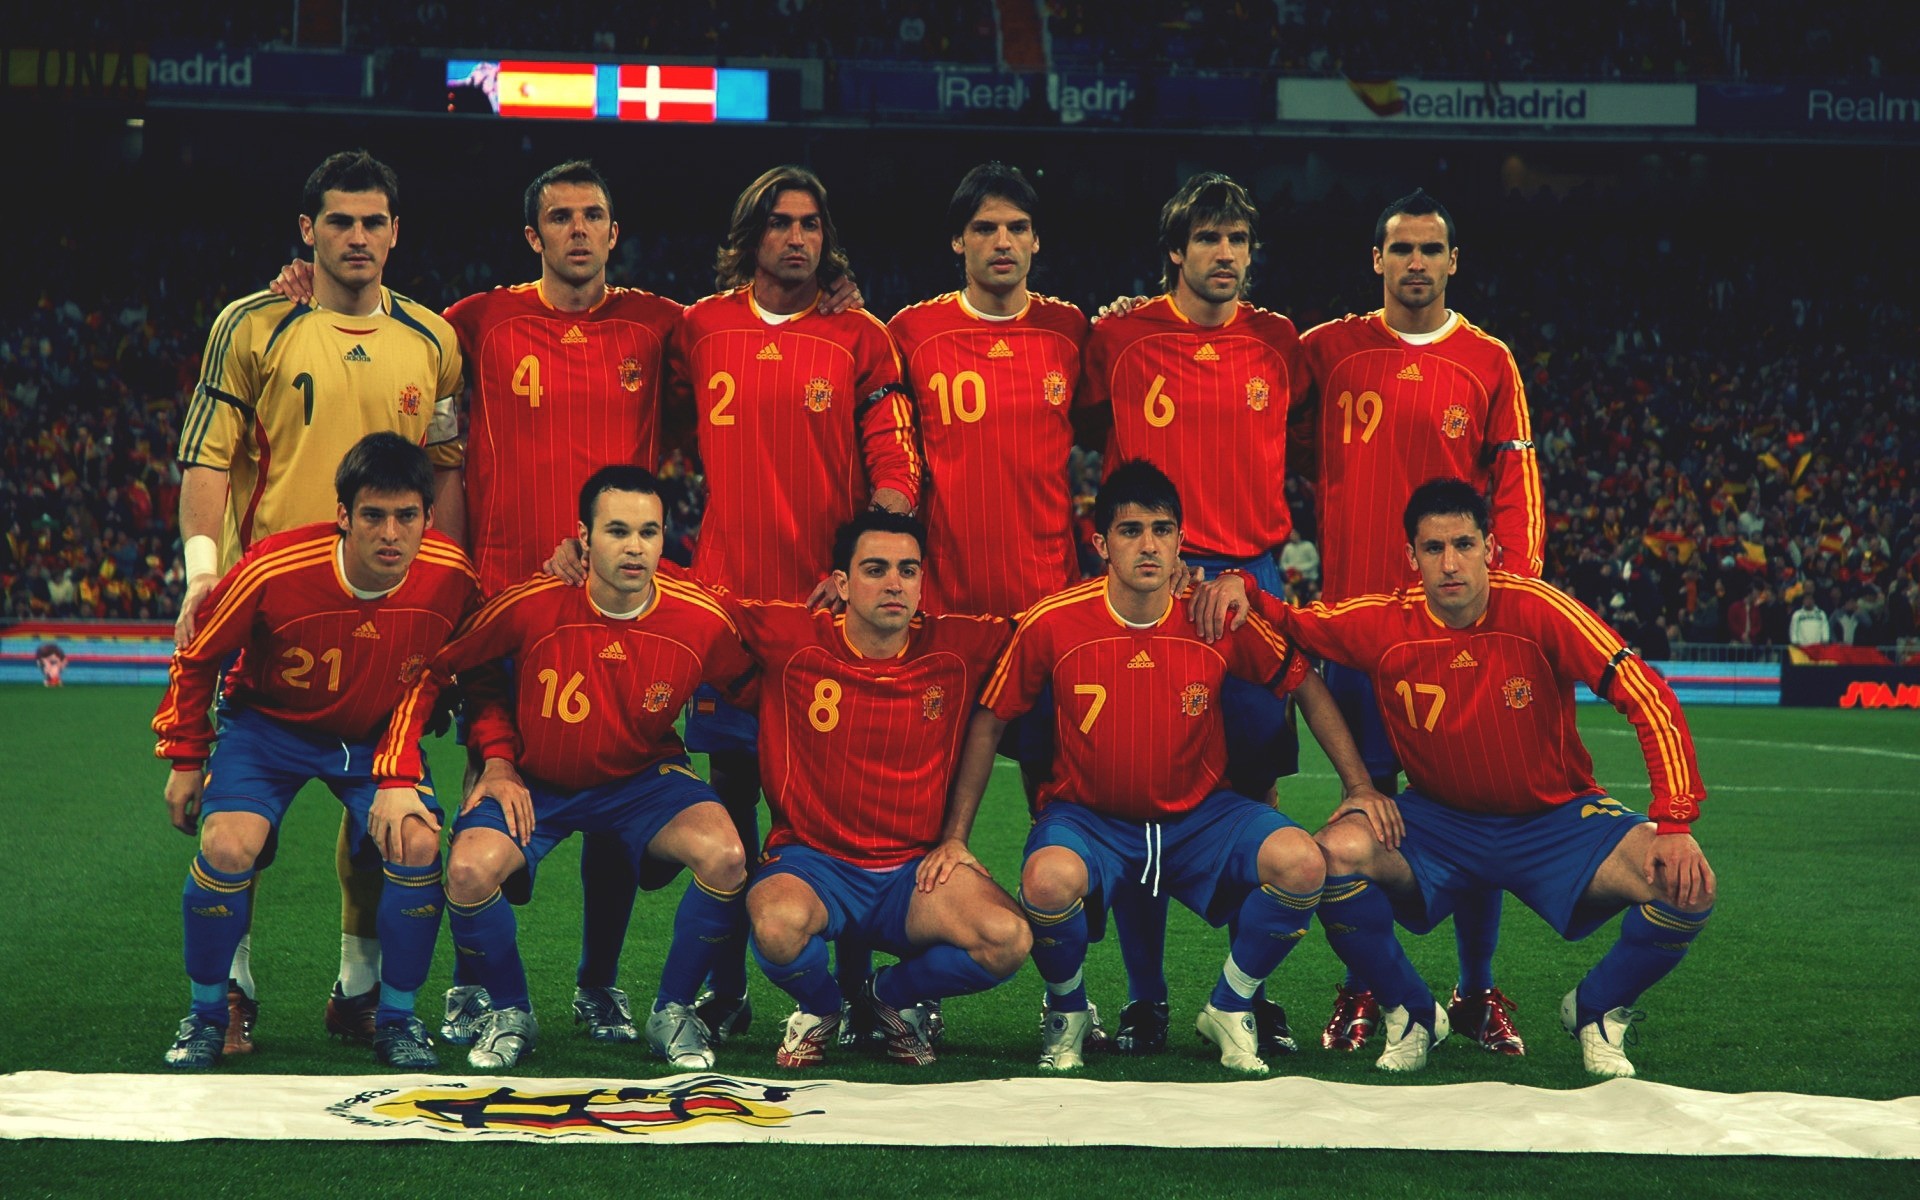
547, 89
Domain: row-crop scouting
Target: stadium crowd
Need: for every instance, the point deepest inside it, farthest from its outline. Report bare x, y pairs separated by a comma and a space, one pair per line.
1714, 444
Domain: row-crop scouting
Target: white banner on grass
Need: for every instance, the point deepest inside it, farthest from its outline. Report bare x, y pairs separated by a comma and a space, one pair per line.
1620, 1116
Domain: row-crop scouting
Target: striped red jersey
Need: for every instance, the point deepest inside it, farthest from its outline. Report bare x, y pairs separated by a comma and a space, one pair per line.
312, 653
554, 397
1392, 415
1208, 405
1137, 721
857, 754
1483, 717
798, 424
994, 399
594, 697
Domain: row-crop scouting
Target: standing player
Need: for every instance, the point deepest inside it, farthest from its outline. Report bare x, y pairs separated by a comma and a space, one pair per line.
1474, 674
285, 389
332, 624
801, 421
861, 720
599, 677
1409, 392
1137, 789
1200, 382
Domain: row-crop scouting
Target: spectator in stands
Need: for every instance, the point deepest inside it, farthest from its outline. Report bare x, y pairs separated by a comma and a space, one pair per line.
1809, 626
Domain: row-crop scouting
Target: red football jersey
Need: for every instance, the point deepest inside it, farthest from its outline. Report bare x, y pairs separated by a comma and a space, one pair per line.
1208, 405
312, 653
594, 697
857, 754
555, 396
1136, 715
1483, 718
798, 424
994, 399
1393, 415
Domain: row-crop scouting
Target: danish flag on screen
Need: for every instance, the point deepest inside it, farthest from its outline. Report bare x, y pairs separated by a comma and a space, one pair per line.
661, 93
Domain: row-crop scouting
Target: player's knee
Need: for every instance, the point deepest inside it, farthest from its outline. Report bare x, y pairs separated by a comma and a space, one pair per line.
1005, 941
1347, 846
229, 847
720, 862
419, 844
1052, 879
1291, 860
470, 877
779, 930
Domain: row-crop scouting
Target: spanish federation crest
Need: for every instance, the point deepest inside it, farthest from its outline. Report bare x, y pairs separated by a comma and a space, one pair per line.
410, 669
1054, 387
1454, 421
630, 373
659, 695
410, 400
1193, 699
933, 702
819, 395
1518, 691
1257, 394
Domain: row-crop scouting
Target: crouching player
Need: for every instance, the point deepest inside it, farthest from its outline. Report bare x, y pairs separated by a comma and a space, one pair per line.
1474, 675
1136, 793
862, 716
332, 624
599, 675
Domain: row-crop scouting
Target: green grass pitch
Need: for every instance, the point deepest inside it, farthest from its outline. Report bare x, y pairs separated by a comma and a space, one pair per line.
1802, 983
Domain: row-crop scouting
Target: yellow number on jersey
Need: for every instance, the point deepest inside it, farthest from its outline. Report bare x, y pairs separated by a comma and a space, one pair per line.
573, 706
968, 400
1370, 409
526, 380
824, 712
1408, 691
1159, 405
1099, 695
721, 381
296, 675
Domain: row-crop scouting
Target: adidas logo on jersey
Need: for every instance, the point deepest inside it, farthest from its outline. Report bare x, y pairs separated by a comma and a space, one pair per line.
1000, 350
1464, 659
1142, 659
1206, 353
573, 337
358, 354
367, 630
614, 652
769, 353
1411, 373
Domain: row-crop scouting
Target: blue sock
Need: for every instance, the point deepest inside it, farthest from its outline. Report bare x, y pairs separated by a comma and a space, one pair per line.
487, 936
1271, 923
1358, 919
852, 966
808, 979
935, 973
705, 923
1140, 923
1476, 931
607, 887
736, 779
1653, 940
214, 908
1060, 951
409, 923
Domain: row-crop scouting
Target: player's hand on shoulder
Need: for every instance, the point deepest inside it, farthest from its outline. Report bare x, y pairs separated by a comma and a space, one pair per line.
1219, 606
183, 792
941, 862
569, 562
1120, 306
501, 781
1678, 867
1381, 811
825, 595
295, 281
386, 820
843, 296
188, 623
892, 499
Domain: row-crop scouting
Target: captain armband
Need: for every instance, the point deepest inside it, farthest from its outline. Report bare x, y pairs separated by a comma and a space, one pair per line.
879, 394
1613, 668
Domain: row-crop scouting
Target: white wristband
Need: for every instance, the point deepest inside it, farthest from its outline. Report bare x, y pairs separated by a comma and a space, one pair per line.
203, 556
